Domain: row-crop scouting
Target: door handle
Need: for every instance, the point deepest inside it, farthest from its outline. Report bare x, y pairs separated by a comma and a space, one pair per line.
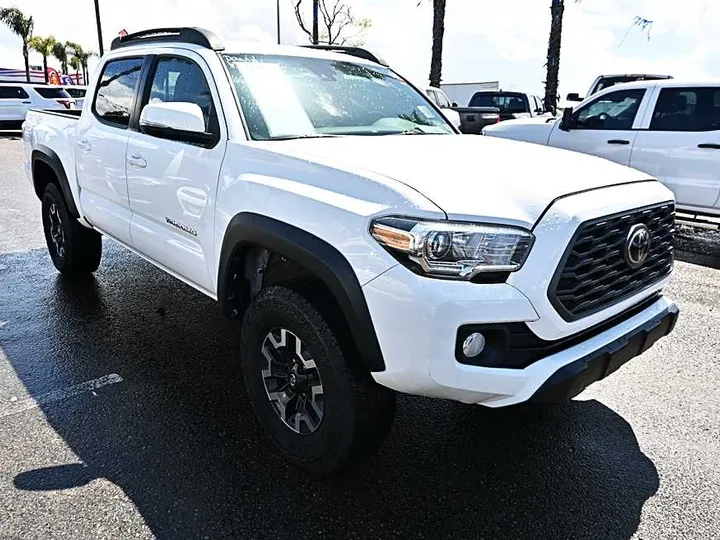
618, 141
136, 160
714, 146
27, 102
84, 145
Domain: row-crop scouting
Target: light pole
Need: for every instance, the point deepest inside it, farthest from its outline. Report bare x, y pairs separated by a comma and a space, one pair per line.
278, 20
316, 10
99, 27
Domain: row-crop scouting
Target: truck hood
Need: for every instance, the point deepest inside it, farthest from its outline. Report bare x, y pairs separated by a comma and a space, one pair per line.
467, 176
535, 130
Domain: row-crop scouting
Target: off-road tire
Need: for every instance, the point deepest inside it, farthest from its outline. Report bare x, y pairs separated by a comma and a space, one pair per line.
75, 250
358, 412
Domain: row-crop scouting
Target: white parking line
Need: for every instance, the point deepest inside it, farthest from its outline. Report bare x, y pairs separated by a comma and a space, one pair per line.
59, 395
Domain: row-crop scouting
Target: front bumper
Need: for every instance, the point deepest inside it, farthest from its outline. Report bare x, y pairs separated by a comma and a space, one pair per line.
416, 320
568, 381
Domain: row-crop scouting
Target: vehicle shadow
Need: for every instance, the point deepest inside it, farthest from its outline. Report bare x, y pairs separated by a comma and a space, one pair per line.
698, 246
178, 436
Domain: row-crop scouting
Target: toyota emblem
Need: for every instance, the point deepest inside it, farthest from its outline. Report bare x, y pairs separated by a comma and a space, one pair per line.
637, 245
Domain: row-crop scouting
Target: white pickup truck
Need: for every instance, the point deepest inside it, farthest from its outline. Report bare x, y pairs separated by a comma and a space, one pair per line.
666, 128
299, 188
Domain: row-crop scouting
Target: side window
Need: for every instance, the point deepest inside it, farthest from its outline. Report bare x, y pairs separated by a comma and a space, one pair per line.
12, 92
687, 109
433, 96
181, 80
442, 101
616, 110
115, 96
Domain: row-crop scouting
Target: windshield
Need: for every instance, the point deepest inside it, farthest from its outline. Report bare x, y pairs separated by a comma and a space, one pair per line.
51, 93
505, 101
291, 97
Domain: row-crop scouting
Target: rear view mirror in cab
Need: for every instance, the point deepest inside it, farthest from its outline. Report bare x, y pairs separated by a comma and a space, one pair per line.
574, 97
178, 121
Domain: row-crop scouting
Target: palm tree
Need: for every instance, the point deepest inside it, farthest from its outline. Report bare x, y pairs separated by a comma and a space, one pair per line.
83, 57
76, 65
437, 44
45, 46
22, 26
557, 8
60, 52
79, 60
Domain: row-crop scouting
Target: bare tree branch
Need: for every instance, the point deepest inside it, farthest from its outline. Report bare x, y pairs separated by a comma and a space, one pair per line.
337, 22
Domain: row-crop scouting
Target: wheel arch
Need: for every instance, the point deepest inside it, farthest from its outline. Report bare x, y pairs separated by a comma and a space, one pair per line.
247, 231
48, 168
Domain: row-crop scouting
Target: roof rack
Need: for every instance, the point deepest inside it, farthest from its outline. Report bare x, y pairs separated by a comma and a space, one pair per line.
196, 36
352, 51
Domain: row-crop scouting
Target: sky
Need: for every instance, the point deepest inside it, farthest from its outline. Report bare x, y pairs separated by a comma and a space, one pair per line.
499, 40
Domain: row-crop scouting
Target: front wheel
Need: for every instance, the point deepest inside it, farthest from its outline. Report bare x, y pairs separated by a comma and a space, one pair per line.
322, 411
75, 250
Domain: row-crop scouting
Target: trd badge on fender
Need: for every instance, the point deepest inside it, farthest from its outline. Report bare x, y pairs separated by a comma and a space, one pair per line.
637, 246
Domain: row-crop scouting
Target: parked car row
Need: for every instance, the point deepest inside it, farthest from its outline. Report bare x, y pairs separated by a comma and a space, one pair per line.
16, 99
665, 128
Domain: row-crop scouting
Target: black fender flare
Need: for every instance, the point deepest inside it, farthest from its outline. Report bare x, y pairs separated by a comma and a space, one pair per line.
317, 256
50, 158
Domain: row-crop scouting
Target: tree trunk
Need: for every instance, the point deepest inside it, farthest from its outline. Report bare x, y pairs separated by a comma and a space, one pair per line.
553, 57
437, 46
47, 79
26, 55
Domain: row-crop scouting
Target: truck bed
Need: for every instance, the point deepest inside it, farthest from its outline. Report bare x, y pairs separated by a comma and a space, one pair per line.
69, 113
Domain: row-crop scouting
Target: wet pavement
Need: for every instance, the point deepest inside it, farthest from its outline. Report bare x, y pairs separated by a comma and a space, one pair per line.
122, 415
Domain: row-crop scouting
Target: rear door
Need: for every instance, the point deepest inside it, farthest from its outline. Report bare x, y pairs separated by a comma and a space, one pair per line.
101, 143
604, 126
14, 103
172, 184
681, 146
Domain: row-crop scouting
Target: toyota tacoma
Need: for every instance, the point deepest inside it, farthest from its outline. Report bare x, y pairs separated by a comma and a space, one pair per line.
300, 189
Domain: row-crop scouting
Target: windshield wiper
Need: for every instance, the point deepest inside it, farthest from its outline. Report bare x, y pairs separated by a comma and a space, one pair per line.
307, 136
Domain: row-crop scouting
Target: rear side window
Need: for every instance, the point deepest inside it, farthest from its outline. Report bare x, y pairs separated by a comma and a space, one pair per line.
441, 100
48, 92
76, 92
116, 92
12, 92
687, 109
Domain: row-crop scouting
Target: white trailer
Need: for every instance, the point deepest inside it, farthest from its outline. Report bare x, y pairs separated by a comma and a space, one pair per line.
461, 93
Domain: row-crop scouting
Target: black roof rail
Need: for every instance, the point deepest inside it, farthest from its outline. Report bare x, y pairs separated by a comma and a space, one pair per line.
352, 51
196, 36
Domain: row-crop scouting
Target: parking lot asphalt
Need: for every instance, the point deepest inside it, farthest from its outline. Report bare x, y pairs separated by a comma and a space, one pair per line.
122, 415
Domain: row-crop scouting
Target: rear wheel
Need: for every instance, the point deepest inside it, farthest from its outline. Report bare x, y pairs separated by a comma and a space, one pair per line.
75, 250
322, 411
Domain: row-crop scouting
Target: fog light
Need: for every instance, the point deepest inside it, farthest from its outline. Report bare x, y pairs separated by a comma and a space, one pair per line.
473, 345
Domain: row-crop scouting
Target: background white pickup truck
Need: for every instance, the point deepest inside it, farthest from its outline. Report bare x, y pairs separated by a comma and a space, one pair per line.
300, 188
665, 128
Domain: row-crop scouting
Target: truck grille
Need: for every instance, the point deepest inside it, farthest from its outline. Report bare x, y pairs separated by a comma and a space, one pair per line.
594, 272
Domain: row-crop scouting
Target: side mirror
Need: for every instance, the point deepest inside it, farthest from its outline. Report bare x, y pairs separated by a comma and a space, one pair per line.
574, 97
567, 119
454, 104
177, 121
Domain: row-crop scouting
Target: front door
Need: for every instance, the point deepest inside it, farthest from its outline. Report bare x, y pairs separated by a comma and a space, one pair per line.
603, 127
172, 185
100, 145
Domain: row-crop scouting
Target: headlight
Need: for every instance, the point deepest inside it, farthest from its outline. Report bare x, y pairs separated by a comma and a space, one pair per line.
453, 250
